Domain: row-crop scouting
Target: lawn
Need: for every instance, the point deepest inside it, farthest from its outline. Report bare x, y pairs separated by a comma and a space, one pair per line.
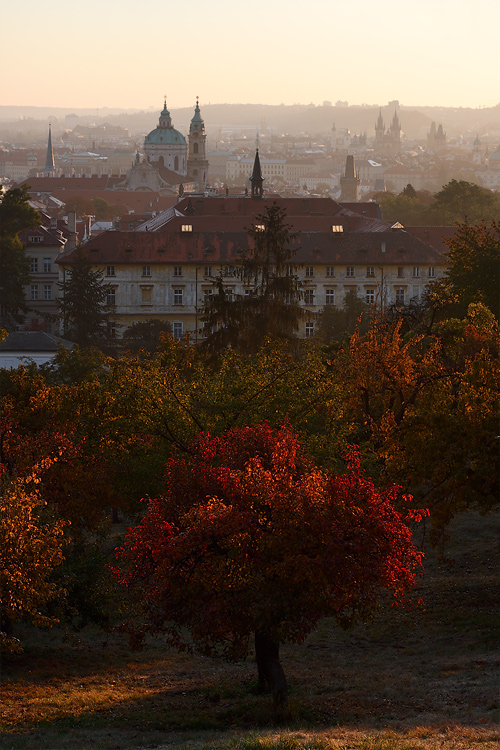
417, 678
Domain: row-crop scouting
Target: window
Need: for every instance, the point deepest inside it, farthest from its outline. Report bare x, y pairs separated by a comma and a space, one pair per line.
400, 296
33, 265
260, 228
432, 272
34, 291
146, 270
416, 272
228, 271
208, 270
370, 271
401, 272
195, 148
330, 271
349, 271
35, 239
47, 265
370, 296
416, 292
47, 291
111, 298
186, 227
146, 293
337, 228
207, 293
309, 296
309, 330
112, 330
330, 297
110, 270
177, 329
228, 291
178, 296
177, 270
309, 271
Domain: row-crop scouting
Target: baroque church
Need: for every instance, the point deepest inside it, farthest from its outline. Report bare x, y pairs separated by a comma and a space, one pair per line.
171, 164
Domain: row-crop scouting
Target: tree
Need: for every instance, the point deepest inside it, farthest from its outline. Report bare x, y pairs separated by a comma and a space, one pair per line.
335, 324
461, 201
251, 538
16, 214
146, 335
269, 308
473, 273
31, 546
83, 305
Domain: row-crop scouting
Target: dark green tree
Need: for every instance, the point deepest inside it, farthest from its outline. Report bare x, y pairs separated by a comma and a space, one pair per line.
336, 324
409, 191
16, 215
473, 273
146, 335
84, 306
269, 308
461, 201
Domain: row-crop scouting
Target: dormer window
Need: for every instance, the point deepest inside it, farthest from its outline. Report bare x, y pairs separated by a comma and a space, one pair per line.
337, 228
260, 228
186, 227
35, 239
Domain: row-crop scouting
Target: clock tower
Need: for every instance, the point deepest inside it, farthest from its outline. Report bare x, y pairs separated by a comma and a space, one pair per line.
197, 164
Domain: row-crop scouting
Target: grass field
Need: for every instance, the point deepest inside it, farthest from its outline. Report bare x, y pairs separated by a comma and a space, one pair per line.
421, 678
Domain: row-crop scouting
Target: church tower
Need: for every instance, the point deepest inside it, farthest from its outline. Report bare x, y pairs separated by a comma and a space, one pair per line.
256, 179
197, 165
49, 159
379, 129
476, 152
349, 182
395, 133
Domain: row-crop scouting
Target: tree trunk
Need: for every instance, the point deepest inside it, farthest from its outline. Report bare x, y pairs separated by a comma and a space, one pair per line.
270, 671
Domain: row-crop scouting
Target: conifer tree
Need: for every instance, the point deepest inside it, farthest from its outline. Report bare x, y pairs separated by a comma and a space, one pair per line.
269, 306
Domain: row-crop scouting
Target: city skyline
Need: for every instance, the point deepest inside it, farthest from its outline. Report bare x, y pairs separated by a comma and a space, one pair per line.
107, 55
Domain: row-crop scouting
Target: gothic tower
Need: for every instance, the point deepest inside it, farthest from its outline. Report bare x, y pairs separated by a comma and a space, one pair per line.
349, 182
476, 152
49, 159
379, 129
197, 165
395, 133
256, 179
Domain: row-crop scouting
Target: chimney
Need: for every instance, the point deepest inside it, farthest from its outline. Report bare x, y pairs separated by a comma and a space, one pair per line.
72, 221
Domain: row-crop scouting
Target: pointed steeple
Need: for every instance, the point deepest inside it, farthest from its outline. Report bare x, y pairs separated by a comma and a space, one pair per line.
49, 159
256, 179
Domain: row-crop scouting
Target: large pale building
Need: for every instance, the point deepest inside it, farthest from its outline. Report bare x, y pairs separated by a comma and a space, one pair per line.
164, 268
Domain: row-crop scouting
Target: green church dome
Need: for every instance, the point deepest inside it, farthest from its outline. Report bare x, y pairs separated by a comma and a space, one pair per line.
168, 136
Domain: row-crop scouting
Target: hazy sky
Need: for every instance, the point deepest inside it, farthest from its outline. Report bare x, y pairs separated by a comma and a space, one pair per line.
120, 53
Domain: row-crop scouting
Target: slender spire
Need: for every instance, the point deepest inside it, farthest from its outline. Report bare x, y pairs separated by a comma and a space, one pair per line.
256, 179
49, 159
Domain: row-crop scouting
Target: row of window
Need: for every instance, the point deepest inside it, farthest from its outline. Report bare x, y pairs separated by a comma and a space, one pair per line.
231, 270
178, 298
47, 265
47, 292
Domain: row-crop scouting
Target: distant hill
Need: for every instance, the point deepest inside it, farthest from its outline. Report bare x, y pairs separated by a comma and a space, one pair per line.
313, 120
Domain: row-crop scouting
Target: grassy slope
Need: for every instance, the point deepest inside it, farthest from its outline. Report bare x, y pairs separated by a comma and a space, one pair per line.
425, 678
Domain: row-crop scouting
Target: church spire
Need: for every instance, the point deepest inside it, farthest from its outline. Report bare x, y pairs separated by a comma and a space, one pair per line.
49, 159
256, 179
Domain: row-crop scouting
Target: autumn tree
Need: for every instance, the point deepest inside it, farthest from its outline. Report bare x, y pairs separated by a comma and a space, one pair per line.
269, 307
16, 214
250, 539
31, 546
424, 407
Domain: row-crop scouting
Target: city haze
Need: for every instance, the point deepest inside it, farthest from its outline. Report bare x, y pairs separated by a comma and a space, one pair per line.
124, 55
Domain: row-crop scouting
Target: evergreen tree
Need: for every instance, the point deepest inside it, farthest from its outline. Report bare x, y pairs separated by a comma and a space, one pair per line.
269, 307
83, 305
16, 214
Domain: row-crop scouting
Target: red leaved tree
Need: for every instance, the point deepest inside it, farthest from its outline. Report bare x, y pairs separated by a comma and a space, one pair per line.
251, 539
